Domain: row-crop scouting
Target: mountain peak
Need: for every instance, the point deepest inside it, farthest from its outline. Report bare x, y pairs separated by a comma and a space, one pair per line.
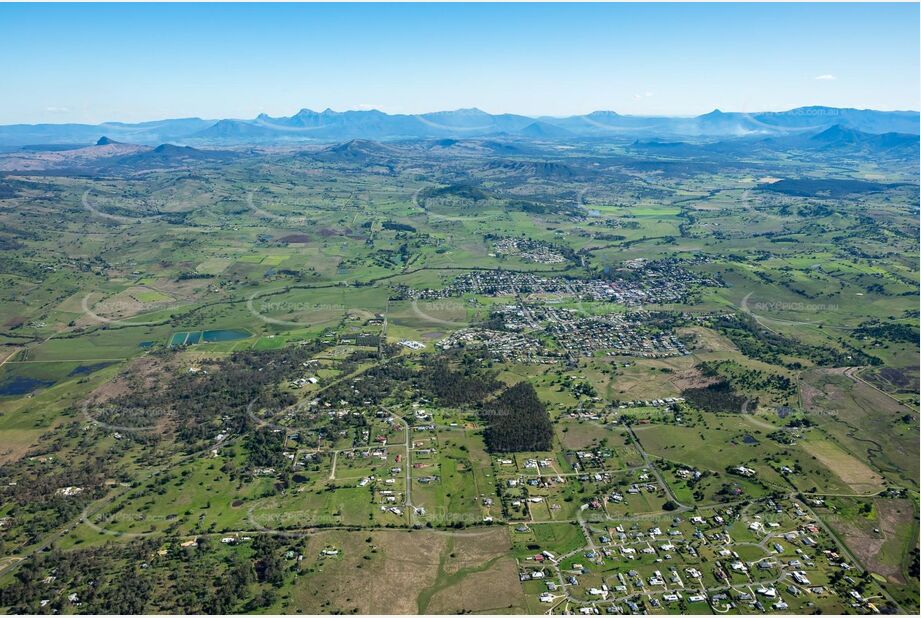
173, 149
105, 141
838, 132
543, 129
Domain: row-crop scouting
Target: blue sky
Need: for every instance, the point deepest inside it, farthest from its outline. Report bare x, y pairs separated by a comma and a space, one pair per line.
92, 63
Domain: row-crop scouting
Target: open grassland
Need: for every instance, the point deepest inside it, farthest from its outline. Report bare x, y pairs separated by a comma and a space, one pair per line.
408, 572
865, 422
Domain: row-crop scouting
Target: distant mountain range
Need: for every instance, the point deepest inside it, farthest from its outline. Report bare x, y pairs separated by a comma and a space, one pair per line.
835, 139
521, 156
330, 126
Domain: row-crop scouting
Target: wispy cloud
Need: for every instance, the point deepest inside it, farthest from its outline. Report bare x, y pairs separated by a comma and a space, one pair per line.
826, 77
644, 95
57, 110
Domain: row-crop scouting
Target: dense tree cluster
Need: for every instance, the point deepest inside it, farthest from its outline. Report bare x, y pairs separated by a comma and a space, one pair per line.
517, 421
452, 384
460, 190
457, 387
397, 226
265, 448
825, 187
751, 379
717, 397
887, 331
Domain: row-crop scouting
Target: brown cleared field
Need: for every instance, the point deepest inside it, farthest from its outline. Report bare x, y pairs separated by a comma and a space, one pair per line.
474, 574
387, 582
396, 572
474, 549
652, 378
493, 590
136, 300
882, 552
17, 442
144, 372
213, 266
579, 436
707, 340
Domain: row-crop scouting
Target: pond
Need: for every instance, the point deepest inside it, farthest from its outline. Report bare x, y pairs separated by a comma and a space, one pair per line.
208, 336
21, 385
185, 338
211, 336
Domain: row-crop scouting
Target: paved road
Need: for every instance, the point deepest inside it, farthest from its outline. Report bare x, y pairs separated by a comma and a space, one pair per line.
655, 471
406, 463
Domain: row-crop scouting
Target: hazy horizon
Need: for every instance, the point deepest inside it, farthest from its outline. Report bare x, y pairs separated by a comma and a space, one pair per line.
436, 111
131, 63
